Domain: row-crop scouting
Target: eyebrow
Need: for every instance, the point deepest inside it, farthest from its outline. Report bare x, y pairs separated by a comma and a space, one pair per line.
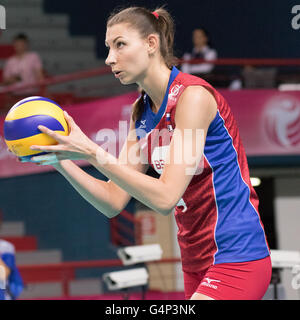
113, 40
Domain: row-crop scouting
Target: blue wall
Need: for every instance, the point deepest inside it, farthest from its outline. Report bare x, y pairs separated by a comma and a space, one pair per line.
60, 218
253, 29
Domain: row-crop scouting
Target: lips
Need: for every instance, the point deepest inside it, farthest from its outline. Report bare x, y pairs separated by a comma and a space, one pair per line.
117, 73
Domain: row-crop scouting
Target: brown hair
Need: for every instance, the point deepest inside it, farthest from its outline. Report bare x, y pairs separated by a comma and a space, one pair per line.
146, 23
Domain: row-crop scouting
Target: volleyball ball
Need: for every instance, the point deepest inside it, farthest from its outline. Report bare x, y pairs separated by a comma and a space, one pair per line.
22, 121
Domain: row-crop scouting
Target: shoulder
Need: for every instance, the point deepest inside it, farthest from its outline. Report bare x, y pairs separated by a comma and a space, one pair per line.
186, 79
6, 247
211, 52
32, 55
10, 60
196, 94
196, 103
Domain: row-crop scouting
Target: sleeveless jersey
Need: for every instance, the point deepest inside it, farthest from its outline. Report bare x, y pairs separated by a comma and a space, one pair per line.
217, 217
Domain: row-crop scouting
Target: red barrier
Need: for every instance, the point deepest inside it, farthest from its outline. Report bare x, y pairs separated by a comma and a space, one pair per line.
246, 62
116, 226
6, 51
149, 295
57, 79
107, 70
24, 243
65, 271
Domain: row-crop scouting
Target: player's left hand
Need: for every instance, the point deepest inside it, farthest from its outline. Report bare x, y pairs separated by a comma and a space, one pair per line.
75, 146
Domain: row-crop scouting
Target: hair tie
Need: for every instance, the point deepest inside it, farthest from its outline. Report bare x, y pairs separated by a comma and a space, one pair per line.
155, 14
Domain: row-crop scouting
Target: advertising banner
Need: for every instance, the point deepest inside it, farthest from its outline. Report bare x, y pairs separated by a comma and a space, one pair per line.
268, 120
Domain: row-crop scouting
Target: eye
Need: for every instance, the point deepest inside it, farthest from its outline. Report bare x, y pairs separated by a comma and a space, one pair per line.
120, 44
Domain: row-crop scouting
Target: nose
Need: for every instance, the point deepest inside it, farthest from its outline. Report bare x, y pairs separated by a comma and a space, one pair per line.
111, 59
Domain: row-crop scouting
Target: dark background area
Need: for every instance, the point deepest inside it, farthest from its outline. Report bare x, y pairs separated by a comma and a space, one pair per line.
59, 217
238, 29
266, 195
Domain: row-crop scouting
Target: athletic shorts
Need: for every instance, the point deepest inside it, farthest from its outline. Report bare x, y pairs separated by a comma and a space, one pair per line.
231, 281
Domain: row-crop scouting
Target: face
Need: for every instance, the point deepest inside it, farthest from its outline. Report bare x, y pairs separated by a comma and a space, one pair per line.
199, 38
128, 54
20, 46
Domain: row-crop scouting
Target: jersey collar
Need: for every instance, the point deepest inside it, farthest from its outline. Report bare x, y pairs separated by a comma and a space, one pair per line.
161, 111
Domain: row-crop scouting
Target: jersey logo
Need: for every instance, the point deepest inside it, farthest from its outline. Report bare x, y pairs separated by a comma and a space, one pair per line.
211, 280
143, 124
174, 92
208, 283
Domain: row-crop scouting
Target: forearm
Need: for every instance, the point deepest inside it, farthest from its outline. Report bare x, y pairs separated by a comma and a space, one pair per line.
95, 191
153, 192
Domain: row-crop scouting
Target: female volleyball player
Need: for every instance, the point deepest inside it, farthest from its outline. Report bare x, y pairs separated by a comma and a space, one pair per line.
223, 245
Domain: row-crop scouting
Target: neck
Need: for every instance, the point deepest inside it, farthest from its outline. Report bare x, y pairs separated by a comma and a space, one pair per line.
20, 54
200, 47
155, 83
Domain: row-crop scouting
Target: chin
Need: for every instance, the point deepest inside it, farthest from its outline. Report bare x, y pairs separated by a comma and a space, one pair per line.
126, 81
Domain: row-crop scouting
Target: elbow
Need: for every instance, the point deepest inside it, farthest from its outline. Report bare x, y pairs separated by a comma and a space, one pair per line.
112, 213
166, 212
112, 208
166, 207
109, 212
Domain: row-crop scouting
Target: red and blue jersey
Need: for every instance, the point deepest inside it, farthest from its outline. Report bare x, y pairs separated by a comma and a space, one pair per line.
217, 217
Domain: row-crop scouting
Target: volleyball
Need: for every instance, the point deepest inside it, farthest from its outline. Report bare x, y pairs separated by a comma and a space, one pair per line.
22, 121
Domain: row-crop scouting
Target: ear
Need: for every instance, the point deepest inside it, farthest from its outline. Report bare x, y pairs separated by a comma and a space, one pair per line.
153, 43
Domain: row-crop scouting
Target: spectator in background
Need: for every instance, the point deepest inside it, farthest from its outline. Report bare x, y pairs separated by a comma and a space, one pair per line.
3, 276
24, 67
201, 50
11, 283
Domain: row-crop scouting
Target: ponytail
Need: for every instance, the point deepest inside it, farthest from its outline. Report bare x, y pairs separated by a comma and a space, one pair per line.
166, 31
138, 107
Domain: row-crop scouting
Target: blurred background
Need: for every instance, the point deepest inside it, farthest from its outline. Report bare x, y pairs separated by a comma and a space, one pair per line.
249, 50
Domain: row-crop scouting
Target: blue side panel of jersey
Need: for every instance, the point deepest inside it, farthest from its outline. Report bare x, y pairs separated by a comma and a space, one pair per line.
238, 234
